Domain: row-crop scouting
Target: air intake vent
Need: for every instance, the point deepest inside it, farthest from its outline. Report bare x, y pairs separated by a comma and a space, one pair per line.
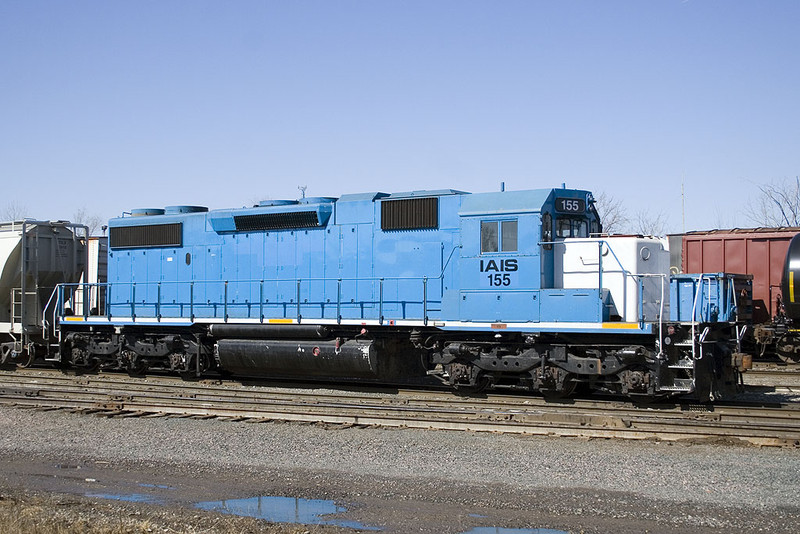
147, 235
410, 214
276, 221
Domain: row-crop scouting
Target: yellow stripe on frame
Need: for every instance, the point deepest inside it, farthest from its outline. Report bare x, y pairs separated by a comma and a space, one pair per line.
622, 326
280, 321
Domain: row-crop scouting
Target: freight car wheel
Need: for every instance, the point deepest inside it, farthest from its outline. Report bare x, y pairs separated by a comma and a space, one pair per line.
5, 353
788, 352
25, 359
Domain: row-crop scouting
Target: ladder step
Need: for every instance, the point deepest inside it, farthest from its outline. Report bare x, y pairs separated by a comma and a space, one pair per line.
680, 384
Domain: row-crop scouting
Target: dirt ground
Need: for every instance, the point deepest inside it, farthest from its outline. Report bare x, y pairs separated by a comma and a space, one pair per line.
38, 495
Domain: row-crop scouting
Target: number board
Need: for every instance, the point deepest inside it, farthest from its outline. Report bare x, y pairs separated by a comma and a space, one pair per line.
570, 205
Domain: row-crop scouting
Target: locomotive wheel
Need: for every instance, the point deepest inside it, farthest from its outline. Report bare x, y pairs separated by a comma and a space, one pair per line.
644, 398
482, 382
91, 367
554, 383
133, 364
555, 394
190, 371
467, 379
137, 370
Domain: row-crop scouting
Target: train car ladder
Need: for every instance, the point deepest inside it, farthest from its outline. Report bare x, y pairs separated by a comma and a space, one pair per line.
19, 308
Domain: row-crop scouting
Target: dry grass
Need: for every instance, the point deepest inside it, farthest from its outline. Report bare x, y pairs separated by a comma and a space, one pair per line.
36, 516
24, 514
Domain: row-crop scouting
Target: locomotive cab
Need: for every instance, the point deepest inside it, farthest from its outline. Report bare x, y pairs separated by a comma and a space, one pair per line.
512, 244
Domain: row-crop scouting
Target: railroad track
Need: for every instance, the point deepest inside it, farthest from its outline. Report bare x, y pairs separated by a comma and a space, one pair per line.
777, 375
121, 396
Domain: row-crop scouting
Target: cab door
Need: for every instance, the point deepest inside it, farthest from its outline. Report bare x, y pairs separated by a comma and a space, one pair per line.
499, 269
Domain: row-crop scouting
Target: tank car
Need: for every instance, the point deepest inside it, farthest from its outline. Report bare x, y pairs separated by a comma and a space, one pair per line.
35, 257
785, 328
513, 289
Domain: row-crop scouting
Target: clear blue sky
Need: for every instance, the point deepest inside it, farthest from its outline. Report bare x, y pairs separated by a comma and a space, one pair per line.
116, 105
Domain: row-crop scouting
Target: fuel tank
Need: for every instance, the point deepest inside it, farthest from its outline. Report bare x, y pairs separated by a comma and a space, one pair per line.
283, 358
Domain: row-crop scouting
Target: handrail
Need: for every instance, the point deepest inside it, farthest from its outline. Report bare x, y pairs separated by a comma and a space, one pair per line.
193, 305
446, 263
44, 311
694, 313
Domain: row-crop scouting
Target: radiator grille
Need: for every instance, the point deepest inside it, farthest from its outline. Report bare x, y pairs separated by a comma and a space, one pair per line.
410, 214
147, 235
276, 221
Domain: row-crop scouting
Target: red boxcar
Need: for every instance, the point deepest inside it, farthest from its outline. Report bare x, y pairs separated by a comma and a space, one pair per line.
760, 252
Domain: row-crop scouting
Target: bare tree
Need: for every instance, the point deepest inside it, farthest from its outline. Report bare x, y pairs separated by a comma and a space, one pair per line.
777, 205
14, 211
92, 222
612, 214
649, 223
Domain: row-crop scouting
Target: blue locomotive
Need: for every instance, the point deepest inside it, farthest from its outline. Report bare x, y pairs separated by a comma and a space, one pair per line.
507, 289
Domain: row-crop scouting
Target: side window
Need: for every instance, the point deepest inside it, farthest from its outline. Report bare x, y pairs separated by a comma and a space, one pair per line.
509, 235
497, 236
489, 236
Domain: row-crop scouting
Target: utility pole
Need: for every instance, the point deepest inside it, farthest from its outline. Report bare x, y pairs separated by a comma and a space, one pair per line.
683, 201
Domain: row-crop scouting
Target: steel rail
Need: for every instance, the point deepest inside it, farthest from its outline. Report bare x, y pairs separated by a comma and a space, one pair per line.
153, 386
124, 397
784, 376
442, 401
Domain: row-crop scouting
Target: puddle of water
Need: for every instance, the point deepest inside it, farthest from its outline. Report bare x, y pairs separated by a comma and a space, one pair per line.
499, 530
284, 510
156, 486
128, 497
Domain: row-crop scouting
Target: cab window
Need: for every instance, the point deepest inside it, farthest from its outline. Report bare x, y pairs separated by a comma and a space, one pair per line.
499, 236
569, 227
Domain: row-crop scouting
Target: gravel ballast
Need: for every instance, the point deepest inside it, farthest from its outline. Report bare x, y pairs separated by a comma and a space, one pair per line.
571, 484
